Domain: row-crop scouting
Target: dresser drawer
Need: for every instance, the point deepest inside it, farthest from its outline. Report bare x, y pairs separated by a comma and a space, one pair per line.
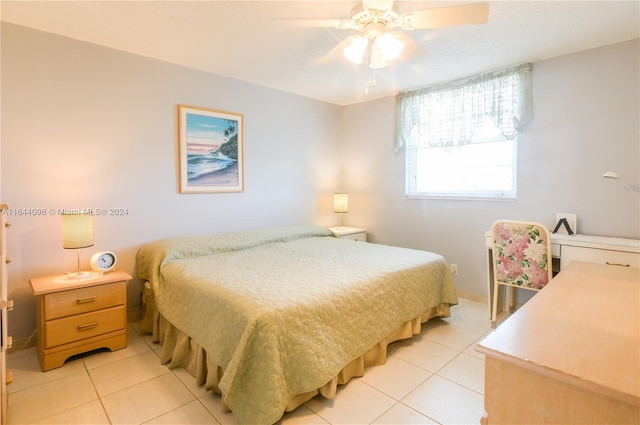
604, 256
83, 326
77, 301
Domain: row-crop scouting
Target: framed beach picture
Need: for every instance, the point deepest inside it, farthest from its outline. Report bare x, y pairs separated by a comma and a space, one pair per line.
210, 150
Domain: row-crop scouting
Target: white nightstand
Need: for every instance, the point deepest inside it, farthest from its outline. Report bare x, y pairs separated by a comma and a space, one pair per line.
79, 316
353, 233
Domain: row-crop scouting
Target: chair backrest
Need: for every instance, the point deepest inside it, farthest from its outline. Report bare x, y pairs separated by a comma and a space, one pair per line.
521, 254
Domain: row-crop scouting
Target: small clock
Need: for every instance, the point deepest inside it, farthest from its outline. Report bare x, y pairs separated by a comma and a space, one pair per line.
103, 261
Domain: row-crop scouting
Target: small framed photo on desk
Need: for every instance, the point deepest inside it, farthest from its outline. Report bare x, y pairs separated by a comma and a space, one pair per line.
566, 224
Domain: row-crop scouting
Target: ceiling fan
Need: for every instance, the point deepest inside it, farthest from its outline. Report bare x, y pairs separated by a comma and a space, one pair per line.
375, 19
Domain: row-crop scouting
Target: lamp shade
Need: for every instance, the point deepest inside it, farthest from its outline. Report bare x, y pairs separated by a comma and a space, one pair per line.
356, 46
340, 202
77, 230
390, 45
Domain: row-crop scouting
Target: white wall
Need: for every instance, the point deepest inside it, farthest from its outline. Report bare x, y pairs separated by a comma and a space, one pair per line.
90, 127
586, 122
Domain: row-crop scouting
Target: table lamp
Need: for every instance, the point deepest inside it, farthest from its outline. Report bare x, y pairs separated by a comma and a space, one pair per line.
340, 204
77, 233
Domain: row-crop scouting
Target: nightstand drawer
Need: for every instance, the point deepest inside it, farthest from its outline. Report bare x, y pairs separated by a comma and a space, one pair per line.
361, 236
77, 301
83, 326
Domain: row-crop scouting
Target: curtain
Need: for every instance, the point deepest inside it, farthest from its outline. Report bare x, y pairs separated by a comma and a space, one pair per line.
450, 114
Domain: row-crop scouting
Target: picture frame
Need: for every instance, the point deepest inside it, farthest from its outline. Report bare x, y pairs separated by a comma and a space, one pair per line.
566, 224
210, 150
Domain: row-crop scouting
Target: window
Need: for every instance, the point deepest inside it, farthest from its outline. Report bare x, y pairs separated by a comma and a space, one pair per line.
460, 138
483, 168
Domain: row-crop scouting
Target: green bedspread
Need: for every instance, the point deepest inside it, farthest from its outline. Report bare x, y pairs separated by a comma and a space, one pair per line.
283, 310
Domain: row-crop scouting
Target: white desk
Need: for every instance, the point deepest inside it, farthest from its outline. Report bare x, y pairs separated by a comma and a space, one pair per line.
571, 354
565, 248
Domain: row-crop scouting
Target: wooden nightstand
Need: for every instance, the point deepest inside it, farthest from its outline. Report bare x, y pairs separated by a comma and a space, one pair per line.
79, 316
353, 233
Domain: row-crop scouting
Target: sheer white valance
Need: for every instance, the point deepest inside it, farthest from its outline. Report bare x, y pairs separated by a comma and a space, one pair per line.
450, 114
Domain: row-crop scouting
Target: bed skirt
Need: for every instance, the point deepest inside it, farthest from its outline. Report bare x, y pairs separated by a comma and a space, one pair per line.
179, 350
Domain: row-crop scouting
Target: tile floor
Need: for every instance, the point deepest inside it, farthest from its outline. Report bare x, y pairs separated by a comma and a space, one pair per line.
436, 377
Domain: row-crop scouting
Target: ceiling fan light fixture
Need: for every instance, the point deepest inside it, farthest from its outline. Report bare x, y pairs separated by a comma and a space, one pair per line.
355, 48
377, 57
374, 18
390, 45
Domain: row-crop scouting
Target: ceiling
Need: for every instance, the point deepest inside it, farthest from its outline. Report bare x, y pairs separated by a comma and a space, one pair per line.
239, 39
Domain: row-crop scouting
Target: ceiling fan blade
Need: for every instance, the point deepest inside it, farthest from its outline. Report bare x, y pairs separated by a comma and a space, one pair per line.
314, 23
377, 5
468, 14
412, 49
333, 55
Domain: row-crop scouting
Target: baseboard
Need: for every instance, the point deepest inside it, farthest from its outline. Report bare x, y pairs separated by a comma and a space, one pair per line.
472, 296
134, 313
22, 344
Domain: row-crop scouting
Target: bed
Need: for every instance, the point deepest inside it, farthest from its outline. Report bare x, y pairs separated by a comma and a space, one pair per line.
271, 317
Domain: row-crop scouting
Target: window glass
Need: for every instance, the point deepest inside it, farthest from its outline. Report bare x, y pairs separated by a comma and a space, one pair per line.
483, 168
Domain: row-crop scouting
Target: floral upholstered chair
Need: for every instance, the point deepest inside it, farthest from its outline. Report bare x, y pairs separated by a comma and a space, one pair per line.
521, 258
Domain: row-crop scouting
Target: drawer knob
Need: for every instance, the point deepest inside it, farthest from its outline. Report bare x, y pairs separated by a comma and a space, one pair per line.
8, 260
9, 376
86, 300
9, 342
10, 305
7, 224
87, 326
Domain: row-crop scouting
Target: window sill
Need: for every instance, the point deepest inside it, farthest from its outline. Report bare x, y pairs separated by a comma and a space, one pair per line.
461, 198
